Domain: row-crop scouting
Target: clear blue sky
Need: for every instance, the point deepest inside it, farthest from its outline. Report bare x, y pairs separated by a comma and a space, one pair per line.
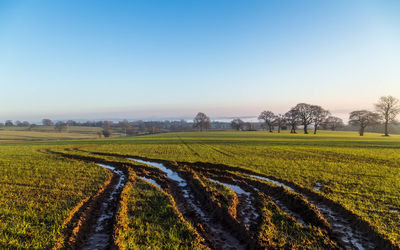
139, 59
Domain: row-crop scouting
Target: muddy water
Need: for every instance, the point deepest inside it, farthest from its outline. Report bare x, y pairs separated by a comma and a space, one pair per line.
100, 237
272, 181
220, 236
342, 227
249, 211
151, 181
170, 174
279, 203
318, 185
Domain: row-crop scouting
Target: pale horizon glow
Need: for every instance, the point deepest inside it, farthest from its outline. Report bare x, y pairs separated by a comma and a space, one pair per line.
171, 59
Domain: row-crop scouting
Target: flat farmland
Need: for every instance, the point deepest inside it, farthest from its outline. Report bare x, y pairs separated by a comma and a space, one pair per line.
269, 190
361, 173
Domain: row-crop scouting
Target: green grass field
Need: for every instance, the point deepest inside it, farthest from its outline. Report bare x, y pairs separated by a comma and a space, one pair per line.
360, 173
49, 133
37, 193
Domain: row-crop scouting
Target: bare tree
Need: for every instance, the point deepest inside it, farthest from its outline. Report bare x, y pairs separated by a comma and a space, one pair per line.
363, 118
61, 126
131, 131
305, 114
280, 121
47, 122
318, 116
268, 117
237, 124
107, 129
9, 123
292, 119
107, 125
124, 125
333, 122
201, 121
388, 108
71, 123
107, 133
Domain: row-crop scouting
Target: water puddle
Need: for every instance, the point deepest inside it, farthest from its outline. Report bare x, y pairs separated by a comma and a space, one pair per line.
272, 181
170, 174
249, 212
101, 237
151, 181
220, 235
318, 185
350, 237
279, 203
238, 190
342, 227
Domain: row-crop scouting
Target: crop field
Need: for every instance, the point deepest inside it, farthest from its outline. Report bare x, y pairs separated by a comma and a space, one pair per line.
38, 192
200, 190
49, 133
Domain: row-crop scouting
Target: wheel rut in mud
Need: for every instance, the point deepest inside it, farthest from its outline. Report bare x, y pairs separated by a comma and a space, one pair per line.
100, 234
346, 228
216, 232
223, 230
94, 220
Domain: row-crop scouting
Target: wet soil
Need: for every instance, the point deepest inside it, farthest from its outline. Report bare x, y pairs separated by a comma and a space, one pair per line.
221, 230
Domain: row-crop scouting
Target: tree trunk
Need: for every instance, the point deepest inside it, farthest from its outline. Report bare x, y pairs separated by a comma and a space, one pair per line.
305, 129
386, 128
315, 129
270, 128
279, 129
361, 131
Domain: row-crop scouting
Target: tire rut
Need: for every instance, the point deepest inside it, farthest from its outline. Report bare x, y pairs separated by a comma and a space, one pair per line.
348, 229
95, 225
192, 206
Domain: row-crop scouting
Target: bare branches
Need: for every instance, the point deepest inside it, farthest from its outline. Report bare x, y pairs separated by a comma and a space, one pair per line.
201, 121
333, 122
318, 115
268, 117
388, 108
237, 124
363, 118
304, 114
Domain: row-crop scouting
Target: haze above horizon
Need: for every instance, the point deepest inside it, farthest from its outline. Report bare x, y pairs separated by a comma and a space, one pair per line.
141, 59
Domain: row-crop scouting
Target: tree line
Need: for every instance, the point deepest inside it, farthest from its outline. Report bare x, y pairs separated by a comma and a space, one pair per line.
303, 114
306, 115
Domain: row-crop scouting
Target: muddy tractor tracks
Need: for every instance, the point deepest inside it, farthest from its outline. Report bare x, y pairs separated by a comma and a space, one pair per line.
219, 226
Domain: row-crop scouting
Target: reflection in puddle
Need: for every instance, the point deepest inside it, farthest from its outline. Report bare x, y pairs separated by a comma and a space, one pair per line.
101, 237
220, 235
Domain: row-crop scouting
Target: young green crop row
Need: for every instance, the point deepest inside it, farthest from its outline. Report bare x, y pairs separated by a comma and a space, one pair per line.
147, 218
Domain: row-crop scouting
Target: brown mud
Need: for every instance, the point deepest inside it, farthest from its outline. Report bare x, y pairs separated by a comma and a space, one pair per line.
214, 223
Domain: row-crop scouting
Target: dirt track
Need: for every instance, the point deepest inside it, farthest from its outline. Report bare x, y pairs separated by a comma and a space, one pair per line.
222, 229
